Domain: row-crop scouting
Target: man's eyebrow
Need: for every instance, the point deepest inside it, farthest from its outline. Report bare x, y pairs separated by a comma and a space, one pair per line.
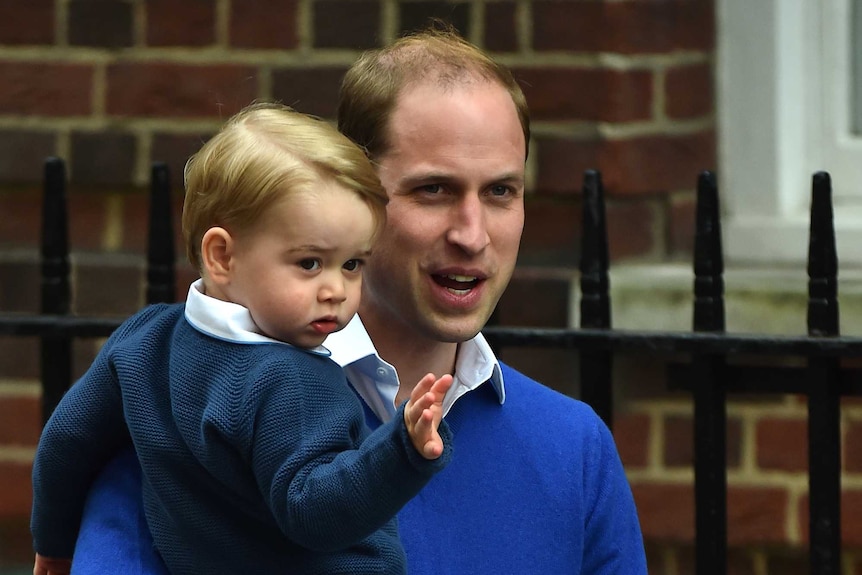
517, 178
426, 177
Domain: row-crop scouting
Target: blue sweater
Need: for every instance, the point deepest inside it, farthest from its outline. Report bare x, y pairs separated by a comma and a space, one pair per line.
255, 456
536, 487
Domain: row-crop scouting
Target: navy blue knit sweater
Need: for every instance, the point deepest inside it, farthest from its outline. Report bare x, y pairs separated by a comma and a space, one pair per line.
255, 457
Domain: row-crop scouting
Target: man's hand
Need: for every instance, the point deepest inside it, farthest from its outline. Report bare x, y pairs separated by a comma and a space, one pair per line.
423, 413
46, 566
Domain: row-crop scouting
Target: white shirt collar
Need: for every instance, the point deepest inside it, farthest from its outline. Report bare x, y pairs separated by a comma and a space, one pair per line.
374, 379
476, 364
226, 320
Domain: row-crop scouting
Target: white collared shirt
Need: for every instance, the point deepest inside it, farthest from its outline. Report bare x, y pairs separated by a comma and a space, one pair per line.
373, 378
226, 320
377, 382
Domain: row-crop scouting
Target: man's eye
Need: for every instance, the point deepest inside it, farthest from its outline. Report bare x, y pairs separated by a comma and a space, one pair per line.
500, 190
309, 264
352, 265
431, 189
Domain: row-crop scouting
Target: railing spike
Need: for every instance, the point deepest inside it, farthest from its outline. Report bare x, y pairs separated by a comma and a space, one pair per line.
160, 251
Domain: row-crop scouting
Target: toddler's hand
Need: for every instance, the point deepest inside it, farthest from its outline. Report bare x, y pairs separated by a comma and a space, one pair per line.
423, 413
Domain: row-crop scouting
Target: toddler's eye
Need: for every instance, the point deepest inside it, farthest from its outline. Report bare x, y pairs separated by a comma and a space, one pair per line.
309, 264
352, 265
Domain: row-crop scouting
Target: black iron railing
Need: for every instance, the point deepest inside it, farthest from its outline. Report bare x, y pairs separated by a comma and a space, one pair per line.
708, 375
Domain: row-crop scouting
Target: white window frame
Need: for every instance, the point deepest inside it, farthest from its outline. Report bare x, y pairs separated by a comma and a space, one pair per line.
778, 62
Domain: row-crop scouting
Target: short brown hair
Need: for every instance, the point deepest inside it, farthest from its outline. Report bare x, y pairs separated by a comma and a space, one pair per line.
262, 153
373, 83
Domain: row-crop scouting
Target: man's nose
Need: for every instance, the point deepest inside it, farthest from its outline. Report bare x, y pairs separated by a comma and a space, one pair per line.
468, 227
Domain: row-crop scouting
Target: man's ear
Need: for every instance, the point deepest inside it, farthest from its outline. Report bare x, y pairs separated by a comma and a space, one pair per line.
217, 248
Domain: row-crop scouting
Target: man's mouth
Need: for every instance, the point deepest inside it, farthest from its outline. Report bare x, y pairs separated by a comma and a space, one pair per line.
457, 284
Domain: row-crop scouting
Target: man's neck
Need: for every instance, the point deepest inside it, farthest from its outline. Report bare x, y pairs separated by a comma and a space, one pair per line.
412, 355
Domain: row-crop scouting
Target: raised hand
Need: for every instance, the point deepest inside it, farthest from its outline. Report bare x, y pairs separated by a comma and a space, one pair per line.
423, 413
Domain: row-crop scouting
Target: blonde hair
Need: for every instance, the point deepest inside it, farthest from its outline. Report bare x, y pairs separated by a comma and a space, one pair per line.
371, 86
261, 154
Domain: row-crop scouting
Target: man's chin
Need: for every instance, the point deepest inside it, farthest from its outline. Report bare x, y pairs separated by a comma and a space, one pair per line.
449, 330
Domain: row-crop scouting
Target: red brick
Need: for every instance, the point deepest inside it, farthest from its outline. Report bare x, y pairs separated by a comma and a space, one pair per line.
264, 24
416, 15
114, 288
22, 155
19, 285
45, 89
16, 489
552, 231
104, 158
679, 442
351, 24
641, 376
657, 557
689, 91
309, 90
15, 543
100, 24
136, 221
174, 90
782, 444
587, 94
532, 301
19, 356
661, 520
851, 519
87, 220
187, 23
30, 22
681, 222
756, 515
788, 562
739, 561
501, 31
20, 420
655, 163
852, 444
625, 27
175, 150
24, 229
632, 436
631, 229
185, 276
556, 368
561, 164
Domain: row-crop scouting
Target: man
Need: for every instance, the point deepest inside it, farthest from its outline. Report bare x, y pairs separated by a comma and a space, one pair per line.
535, 484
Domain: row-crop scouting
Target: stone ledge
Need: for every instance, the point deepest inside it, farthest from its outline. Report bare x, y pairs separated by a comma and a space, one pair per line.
769, 300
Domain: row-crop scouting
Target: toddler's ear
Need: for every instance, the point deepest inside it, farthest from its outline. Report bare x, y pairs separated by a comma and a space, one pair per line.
216, 253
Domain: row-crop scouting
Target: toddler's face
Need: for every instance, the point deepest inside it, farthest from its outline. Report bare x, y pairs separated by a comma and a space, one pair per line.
299, 271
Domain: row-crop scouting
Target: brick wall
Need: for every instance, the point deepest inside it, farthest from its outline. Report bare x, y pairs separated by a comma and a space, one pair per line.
622, 86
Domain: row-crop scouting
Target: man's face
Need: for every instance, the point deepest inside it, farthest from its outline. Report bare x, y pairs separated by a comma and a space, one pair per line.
455, 179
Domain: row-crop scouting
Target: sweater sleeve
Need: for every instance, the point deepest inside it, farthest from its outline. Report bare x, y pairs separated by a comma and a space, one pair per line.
613, 544
84, 431
328, 482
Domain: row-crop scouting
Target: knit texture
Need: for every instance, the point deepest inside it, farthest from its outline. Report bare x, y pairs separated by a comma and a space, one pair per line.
536, 487
255, 457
